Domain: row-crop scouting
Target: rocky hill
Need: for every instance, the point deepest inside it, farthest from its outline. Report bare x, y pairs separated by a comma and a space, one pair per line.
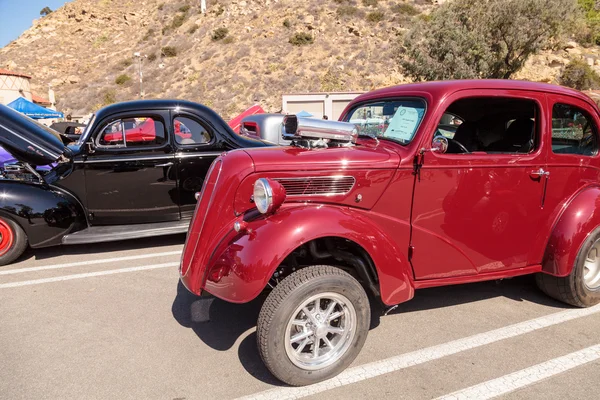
239, 53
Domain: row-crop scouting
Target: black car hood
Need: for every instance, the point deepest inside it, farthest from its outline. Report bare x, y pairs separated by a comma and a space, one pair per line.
29, 141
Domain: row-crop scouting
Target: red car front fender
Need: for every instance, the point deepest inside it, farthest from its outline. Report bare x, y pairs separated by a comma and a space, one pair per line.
243, 263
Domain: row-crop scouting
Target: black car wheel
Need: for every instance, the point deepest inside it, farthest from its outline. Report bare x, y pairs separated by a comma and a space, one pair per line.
313, 325
581, 288
13, 241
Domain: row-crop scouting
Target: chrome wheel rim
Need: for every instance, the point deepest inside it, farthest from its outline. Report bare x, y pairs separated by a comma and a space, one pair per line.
320, 331
591, 267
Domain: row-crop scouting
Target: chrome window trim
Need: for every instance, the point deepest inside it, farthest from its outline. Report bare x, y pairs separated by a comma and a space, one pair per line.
122, 159
199, 154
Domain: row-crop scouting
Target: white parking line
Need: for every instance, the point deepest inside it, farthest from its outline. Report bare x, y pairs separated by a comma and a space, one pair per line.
89, 262
377, 368
525, 377
86, 275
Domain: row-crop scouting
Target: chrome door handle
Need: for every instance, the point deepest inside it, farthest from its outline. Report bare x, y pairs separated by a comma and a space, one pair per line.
539, 172
169, 164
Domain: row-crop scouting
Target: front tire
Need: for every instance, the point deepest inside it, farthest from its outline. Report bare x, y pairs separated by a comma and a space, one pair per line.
313, 325
581, 288
13, 241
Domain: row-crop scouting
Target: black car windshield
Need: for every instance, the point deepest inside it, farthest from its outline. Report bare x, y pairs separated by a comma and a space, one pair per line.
394, 119
86, 130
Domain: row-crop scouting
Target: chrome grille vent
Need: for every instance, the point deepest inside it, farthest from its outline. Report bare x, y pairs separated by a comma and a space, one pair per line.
317, 186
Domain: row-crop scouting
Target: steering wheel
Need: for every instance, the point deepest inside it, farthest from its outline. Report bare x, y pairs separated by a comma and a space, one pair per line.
456, 143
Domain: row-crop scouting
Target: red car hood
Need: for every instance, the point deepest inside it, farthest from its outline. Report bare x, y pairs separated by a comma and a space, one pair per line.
339, 158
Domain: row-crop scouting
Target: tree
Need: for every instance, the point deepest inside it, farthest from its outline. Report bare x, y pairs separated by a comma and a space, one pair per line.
45, 11
471, 39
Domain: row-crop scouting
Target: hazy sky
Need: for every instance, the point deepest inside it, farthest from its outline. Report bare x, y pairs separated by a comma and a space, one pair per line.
17, 15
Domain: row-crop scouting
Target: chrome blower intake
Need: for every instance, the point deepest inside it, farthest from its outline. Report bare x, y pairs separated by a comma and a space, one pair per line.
311, 132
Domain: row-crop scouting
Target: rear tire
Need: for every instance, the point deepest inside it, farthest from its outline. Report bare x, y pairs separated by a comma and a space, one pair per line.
581, 288
13, 241
319, 304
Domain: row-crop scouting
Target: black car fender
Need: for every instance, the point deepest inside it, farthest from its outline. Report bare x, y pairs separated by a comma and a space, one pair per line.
44, 212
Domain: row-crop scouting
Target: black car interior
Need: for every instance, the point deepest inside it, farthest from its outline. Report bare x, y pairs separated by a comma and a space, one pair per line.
493, 125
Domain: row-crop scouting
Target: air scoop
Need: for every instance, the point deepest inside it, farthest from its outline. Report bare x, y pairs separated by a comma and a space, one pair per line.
311, 132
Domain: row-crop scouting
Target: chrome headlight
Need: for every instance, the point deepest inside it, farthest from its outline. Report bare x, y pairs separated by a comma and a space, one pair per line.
263, 195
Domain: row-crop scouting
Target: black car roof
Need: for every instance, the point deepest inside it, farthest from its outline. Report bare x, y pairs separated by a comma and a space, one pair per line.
153, 104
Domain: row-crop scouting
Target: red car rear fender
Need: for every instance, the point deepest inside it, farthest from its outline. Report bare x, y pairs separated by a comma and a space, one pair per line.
244, 262
579, 218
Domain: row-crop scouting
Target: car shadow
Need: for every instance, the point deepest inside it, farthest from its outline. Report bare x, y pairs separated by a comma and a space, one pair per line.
220, 324
99, 248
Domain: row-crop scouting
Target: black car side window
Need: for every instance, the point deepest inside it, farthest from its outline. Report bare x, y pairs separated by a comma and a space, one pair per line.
187, 131
573, 131
137, 131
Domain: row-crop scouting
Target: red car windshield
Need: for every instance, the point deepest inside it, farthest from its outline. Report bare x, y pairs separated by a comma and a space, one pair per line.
395, 119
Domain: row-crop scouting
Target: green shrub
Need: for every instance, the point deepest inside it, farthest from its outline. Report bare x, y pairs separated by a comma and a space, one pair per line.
372, 3
122, 79
579, 75
404, 8
287, 23
229, 40
152, 57
178, 20
109, 97
375, 16
591, 11
168, 51
301, 39
160, 6
346, 11
126, 62
184, 9
453, 44
45, 11
193, 28
149, 33
219, 33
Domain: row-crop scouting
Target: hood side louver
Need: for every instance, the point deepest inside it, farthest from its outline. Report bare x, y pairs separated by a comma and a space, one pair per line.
317, 186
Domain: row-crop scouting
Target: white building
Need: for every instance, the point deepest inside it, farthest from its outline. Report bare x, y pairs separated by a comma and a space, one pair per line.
15, 84
318, 104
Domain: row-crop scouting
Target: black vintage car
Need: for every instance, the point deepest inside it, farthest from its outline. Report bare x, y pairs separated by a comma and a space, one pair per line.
133, 173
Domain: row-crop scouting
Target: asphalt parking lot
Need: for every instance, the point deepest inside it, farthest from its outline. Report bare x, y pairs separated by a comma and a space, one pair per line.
110, 321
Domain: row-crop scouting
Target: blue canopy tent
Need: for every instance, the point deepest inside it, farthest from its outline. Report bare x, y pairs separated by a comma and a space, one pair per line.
304, 114
32, 110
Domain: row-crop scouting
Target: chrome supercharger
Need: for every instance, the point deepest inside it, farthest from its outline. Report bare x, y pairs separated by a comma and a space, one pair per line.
312, 132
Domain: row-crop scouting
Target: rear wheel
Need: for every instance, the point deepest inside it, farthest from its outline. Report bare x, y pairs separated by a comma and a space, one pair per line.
313, 325
13, 241
581, 287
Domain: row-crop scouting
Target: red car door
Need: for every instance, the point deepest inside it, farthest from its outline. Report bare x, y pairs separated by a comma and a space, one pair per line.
481, 211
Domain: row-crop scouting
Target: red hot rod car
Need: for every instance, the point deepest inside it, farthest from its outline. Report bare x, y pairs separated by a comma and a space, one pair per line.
447, 183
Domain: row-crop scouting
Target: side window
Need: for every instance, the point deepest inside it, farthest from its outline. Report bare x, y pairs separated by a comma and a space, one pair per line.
112, 135
188, 131
138, 132
573, 131
144, 131
489, 125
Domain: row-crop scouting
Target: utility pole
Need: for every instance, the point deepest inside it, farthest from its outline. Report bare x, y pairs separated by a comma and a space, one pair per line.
139, 56
203, 6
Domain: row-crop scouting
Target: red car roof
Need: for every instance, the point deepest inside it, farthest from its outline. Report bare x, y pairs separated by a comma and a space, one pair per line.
440, 89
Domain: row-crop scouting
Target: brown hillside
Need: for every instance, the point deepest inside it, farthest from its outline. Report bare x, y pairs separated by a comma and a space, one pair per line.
83, 47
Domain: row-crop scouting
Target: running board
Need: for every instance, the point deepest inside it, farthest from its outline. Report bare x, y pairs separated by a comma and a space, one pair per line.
108, 233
